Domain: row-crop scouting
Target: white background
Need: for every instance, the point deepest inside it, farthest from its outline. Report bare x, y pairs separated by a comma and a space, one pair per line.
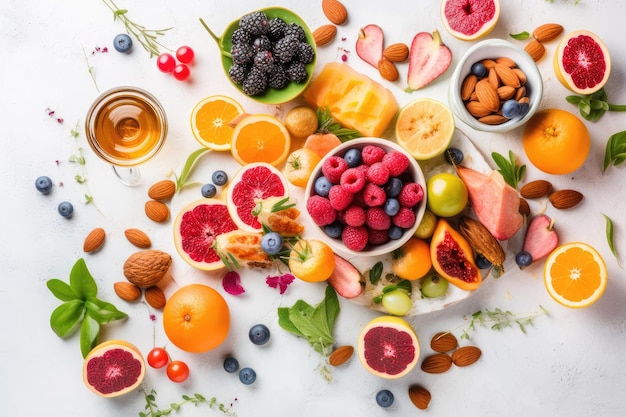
569, 363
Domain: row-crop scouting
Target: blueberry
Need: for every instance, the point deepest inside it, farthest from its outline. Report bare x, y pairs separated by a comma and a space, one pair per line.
353, 157
482, 262
454, 156
333, 230
122, 43
523, 259
392, 206
479, 69
259, 334
322, 186
393, 187
43, 184
231, 365
65, 209
511, 109
219, 177
247, 376
272, 243
384, 398
208, 190
523, 109
395, 232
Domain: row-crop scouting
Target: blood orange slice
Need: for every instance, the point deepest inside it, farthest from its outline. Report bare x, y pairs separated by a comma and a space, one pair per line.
582, 62
388, 347
195, 229
469, 20
253, 182
113, 368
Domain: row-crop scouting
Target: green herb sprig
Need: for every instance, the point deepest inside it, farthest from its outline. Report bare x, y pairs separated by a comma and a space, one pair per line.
190, 163
593, 106
610, 232
153, 410
615, 153
81, 307
326, 123
510, 170
498, 319
520, 36
403, 284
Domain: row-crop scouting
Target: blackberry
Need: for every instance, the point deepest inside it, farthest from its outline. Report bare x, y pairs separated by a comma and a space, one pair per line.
278, 77
264, 61
296, 30
286, 49
255, 83
297, 72
240, 36
306, 54
256, 23
242, 54
262, 43
276, 28
238, 73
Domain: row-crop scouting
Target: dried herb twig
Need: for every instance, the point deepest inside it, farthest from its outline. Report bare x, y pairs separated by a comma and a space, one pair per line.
497, 319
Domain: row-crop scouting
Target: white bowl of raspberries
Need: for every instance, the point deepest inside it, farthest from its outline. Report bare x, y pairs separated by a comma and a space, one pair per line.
367, 197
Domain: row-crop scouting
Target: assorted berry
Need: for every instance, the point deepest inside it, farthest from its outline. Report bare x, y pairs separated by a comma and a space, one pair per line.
166, 62
158, 358
66, 209
43, 184
272, 243
523, 259
177, 65
185, 54
123, 43
259, 334
208, 190
219, 177
453, 156
384, 398
177, 371
247, 376
231, 365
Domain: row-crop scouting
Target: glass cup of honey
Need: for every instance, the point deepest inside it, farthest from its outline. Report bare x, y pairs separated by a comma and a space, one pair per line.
126, 126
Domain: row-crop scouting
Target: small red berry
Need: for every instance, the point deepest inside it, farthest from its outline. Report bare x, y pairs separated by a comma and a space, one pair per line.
181, 72
185, 54
166, 62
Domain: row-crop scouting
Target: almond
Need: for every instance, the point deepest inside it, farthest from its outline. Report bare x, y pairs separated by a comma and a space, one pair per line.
477, 109
487, 95
466, 355
524, 208
155, 297
162, 190
565, 199
506, 61
468, 86
507, 76
488, 63
493, 119
420, 396
127, 291
396, 52
443, 342
94, 240
535, 49
335, 11
493, 78
520, 75
506, 92
388, 70
341, 355
157, 211
324, 34
547, 32
536, 189
520, 93
436, 363
138, 238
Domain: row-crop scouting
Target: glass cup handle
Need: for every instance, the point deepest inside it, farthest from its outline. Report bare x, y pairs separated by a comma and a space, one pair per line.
130, 176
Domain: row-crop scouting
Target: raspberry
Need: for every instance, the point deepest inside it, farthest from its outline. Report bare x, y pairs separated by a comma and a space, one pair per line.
320, 210
333, 167
353, 180
372, 154
378, 173
377, 219
339, 197
373, 195
355, 238
354, 216
396, 162
405, 218
378, 237
411, 194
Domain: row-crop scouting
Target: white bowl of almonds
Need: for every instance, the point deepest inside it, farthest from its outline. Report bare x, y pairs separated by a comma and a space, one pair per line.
496, 87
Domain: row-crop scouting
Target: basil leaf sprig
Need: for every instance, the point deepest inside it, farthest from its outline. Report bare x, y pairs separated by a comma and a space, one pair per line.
593, 106
509, 169
81, 307
615, 152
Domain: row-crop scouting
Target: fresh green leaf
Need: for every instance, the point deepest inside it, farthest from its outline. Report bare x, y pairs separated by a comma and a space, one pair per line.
65, 317
593, 106
61, 290
181, 180
511, 172
103, 312
326, 123
89, 331
615, 153
81, 281
285, 322
610, 231
520, 36
376, 272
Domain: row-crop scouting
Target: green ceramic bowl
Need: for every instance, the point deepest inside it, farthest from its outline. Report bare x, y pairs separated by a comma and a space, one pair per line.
271, 96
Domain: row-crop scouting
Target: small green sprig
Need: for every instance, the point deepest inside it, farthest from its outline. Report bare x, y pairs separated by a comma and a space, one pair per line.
91, 71
615, 153
152, 409
610, 232
520, 36
190, 163
498, 319
81, 307
326, 123
593, 106
510, 170
79, 158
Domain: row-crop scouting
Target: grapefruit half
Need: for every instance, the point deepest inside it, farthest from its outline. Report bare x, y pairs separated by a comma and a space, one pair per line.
582, 62
113, 368
469, 20
388, 347
256, 181
195, 229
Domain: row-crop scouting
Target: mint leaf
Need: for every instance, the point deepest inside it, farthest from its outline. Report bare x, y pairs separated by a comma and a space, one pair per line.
61, 290
89, 331
520, 36
81, 281
66, 316
285, 322
103, 312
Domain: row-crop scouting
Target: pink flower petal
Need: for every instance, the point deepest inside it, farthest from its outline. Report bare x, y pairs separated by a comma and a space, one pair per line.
232, 283
281, 282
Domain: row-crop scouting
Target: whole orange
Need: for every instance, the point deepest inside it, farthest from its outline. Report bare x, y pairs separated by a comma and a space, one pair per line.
412, 260
196, 318
556, 141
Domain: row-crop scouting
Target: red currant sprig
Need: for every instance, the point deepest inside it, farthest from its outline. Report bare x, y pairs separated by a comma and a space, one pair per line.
166, 62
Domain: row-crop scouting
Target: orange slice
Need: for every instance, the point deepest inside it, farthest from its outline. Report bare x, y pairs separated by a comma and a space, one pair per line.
575, 275
260, 138
211, 121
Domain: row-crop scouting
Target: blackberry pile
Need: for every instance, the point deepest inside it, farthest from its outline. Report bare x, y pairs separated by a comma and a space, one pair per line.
268, 53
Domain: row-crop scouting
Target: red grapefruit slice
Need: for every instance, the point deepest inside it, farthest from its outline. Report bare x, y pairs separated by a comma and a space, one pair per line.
113, 368
195, 229
582, 62
388, 347
469, 20
256, 181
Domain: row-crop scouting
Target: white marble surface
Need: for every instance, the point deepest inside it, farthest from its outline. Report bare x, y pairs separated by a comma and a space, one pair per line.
569, 363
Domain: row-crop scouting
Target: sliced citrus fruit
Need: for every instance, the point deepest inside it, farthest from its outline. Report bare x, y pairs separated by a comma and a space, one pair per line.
260, 138
253, 182
388, 347
424, 128
211, 121
113, 368
575, 275
469, 20
195, 229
